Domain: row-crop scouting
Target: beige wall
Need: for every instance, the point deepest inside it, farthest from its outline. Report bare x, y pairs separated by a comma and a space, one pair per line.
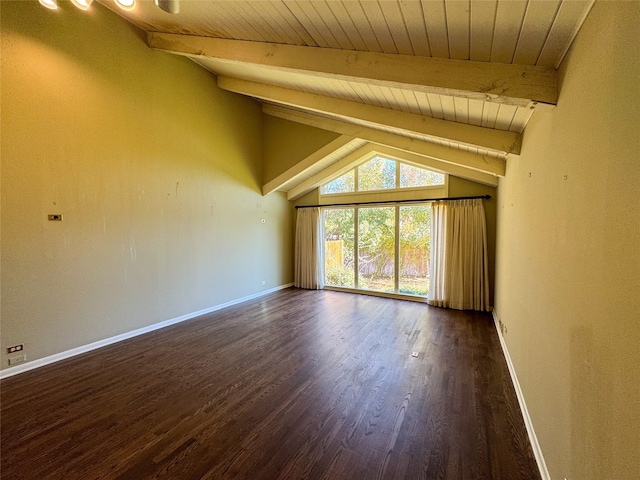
568, 264
287, 143
157, 174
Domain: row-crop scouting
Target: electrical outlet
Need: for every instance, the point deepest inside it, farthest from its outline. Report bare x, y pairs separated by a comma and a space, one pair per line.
17, 360
264, 282
503, 327
15, 348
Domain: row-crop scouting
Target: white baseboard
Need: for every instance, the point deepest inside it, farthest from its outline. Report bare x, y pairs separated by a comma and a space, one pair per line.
537, 451
9, 372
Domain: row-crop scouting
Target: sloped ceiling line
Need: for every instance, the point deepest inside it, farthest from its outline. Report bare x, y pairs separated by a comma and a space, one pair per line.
369, 150
470, 146
501, 141
296, 171
482, 163
456, 82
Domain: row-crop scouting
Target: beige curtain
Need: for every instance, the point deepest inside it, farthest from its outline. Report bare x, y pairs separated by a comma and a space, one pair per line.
308, 261
458, 273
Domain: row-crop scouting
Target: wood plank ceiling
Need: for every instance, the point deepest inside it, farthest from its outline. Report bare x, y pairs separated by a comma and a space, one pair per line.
446, 79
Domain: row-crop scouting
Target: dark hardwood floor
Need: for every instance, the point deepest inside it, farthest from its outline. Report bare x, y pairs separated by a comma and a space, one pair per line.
298, 384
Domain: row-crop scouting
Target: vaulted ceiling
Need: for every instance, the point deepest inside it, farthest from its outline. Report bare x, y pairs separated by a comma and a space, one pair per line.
451, 83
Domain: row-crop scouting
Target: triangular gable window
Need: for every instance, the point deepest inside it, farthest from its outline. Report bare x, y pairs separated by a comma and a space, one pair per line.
381, 173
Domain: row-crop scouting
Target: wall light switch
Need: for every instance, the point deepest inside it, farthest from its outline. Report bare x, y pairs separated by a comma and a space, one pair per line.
17, 360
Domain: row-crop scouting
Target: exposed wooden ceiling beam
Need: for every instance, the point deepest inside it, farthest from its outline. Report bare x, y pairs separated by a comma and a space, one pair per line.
305, 163
481, 163
433, 164
507, 142
519, 85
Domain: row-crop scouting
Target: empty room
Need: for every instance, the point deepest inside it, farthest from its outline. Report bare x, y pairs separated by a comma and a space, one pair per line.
368, 239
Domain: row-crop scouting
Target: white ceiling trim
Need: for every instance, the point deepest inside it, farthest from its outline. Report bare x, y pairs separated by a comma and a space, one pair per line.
432, 164
574, 33
482, 163
299, 168
333, 171
369, 151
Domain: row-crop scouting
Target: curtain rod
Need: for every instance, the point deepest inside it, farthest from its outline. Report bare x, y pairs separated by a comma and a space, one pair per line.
486, 197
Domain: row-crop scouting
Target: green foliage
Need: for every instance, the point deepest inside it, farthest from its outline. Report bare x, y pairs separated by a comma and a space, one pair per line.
415, 240
411, 176
415, 287
339, 226
343, 184
376, 239
339, 276
377, 174
380, 174
376, 248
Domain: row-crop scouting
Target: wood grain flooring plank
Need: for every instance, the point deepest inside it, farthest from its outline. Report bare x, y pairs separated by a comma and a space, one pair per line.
294, 385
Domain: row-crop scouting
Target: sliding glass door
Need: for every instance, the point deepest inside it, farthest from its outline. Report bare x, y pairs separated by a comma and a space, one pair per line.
339, 243
376, 248
415, 249
383, 249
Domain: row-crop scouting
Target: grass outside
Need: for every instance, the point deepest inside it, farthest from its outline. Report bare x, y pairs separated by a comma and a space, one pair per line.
342, 277
408, 285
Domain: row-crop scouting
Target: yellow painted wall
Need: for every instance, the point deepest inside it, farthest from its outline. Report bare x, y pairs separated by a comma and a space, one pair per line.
568, 263
311, 198
156, 171
287, 143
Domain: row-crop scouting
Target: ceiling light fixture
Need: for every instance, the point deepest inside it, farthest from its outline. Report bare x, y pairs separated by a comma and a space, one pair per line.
169, 6
82, 4
126, 4
50, 4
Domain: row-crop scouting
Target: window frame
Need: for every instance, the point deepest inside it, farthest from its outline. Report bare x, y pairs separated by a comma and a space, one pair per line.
397, 187
356, 254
